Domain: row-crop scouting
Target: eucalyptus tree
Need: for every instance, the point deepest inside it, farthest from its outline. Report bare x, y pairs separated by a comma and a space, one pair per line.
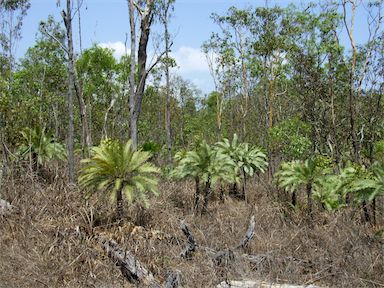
232, 46
97, 70
73, 81
117, 169
146, 12
35, 98
167, 7
12, 13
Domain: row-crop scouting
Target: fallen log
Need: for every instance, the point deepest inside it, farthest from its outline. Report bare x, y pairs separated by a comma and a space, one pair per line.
130, 267
191, 243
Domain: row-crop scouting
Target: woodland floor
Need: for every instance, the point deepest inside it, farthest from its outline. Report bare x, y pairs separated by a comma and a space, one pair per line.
48, 240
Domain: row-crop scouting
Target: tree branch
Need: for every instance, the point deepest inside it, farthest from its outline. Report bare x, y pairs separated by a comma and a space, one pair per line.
42, 25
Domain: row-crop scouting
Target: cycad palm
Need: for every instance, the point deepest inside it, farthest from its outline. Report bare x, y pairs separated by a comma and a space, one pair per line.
368, 187
40, 147
248, 159
205, 164
115, 169
295, 174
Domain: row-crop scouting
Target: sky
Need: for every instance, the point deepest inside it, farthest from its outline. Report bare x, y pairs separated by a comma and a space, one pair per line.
106, 23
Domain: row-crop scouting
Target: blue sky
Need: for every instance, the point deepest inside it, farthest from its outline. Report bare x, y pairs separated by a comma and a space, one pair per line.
106, 22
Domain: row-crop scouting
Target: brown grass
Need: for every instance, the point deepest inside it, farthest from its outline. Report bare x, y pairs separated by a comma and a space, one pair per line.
48, 240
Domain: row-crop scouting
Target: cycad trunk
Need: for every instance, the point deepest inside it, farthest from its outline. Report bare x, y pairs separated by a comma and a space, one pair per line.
197, 193
294, 199
207, 194
222, 192
119, 205
242, 196
309, 200
367, 217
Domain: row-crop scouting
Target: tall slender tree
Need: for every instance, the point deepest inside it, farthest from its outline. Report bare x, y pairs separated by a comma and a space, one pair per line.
85, 133
145, 10
167, 5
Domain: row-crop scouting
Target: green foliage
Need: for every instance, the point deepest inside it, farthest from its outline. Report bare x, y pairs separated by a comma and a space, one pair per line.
293, 175
291, 139
370, 184
248, 159
151, 147
115, 167
326, 193
37, 144
206, 163
378, 151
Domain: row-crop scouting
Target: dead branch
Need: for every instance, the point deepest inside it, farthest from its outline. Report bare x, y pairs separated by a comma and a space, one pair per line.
249, 235
191, 244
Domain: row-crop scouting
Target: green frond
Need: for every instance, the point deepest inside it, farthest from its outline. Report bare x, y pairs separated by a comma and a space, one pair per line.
115, 167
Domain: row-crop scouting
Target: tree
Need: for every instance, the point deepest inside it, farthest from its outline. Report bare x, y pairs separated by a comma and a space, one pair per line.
167, 5
97, 70
146, 10
73, 79
116, 169
36, 96
12, 13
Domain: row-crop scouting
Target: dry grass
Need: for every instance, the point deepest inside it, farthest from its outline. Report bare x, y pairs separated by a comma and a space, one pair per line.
47, 241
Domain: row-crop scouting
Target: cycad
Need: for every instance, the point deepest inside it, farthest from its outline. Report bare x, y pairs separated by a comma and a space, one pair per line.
39, 147
368, 187
207, 165
248, 159
295, 174
115, 169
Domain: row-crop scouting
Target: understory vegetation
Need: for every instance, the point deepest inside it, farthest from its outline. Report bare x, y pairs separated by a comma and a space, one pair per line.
276, 176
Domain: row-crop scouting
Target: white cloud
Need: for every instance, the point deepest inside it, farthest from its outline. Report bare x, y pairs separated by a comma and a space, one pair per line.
190, 60
118, 48
192, 63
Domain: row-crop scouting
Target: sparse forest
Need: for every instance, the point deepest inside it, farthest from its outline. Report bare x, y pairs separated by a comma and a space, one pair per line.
122, 173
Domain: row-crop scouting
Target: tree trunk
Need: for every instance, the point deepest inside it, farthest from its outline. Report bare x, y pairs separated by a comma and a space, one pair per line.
67, 17
167, 88
132, 100
137, 91
352, 101
70, 141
